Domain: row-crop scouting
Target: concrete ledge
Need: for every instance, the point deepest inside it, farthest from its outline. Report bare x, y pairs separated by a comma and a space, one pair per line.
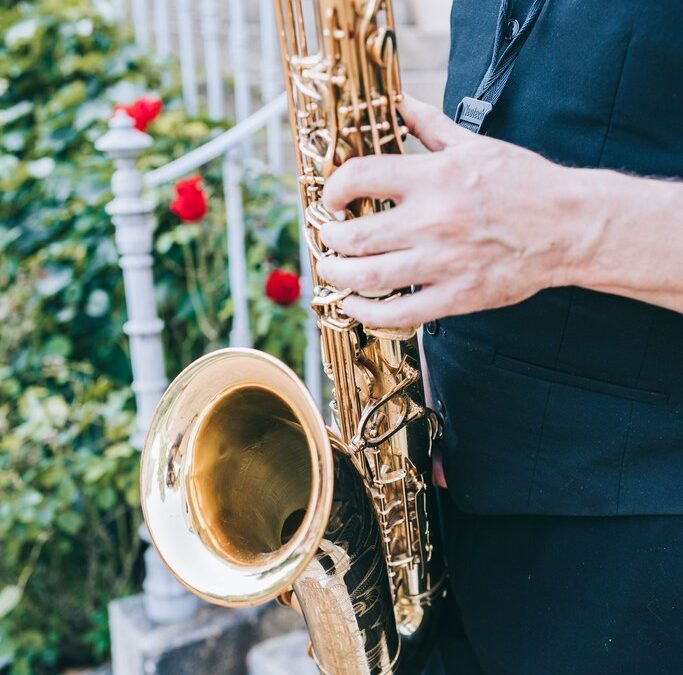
284, 655
213, 642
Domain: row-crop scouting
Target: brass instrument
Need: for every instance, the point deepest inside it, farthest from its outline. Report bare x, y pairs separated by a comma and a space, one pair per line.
247, 495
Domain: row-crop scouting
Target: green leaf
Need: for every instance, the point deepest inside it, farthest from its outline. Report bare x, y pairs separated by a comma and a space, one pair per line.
106, 498
70, 522
15, 112
20, 33
132, 494
58, 345
95, 472
98, 303
10, 597
120, 451
8, 237
14, 141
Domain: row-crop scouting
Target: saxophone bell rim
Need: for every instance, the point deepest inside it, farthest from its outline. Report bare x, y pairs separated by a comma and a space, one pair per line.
166, 490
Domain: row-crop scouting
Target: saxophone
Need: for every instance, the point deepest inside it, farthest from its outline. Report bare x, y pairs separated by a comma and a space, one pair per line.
247, 495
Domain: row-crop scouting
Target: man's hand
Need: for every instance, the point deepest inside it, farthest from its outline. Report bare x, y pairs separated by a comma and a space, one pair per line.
478, 223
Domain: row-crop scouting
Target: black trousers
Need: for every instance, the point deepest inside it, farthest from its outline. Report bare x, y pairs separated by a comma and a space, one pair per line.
543, 595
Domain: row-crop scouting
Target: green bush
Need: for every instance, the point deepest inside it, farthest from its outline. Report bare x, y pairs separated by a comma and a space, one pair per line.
68, 475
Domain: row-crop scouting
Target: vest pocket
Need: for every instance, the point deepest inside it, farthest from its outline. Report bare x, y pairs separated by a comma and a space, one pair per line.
533, 370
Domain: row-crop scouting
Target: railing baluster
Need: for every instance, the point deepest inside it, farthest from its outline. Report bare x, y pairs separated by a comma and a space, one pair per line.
312, 360
188, 67
270, 81
162, 29
240, 336
140, 17
132, 218
240, 68
211, 26
122, 12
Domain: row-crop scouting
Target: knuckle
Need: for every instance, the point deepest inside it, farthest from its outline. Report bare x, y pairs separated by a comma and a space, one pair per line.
334, 271
336, 185
321, 268
402, 318
427, 113
357, 241
369, 279
327, 234
351, 172
370, 319
353, 166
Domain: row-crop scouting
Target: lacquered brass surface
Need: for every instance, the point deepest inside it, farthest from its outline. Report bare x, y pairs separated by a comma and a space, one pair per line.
244, 496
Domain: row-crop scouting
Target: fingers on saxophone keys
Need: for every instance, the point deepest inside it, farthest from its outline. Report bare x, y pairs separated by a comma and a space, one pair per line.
368, 235
404, 312
329, 296
364, 275
376, 176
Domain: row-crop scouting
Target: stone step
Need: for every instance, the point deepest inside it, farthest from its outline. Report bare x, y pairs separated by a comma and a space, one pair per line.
214, 641
283, 655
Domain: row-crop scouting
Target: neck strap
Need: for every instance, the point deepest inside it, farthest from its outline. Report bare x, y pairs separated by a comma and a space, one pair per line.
473, 112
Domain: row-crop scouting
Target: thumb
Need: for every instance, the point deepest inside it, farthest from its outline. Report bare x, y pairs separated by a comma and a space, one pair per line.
429, 125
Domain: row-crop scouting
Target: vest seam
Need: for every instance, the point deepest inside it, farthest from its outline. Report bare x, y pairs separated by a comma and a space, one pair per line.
570, 303
629, 426
537, 454
610, 122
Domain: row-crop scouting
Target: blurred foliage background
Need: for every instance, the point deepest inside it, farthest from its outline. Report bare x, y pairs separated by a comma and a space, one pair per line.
68, 474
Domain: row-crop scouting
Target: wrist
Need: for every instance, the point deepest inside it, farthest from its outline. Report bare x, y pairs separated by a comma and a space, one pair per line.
585, 212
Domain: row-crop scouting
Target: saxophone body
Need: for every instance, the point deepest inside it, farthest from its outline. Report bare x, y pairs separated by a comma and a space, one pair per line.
247, 494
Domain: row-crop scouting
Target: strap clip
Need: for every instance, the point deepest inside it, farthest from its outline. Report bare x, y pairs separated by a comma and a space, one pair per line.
473, 111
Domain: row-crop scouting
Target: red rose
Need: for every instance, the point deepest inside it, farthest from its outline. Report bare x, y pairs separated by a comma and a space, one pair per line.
282, 287
143, 111
189, 201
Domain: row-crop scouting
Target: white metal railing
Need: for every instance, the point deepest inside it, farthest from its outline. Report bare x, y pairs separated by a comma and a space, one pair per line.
219, 146
179, 27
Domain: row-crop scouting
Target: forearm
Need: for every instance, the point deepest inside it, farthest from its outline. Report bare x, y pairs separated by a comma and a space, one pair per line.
633, 243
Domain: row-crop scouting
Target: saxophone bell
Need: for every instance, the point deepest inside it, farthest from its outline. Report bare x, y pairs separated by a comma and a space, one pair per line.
247, 495
236, 477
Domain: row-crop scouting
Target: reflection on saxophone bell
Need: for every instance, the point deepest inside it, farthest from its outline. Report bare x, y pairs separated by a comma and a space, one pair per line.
247, 495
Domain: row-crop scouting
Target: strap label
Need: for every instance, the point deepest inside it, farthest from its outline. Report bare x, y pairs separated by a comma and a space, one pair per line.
473, 111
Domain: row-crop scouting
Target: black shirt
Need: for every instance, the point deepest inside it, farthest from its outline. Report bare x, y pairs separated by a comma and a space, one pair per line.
571, 403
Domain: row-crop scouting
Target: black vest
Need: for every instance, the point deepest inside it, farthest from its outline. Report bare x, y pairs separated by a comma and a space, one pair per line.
571, 403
